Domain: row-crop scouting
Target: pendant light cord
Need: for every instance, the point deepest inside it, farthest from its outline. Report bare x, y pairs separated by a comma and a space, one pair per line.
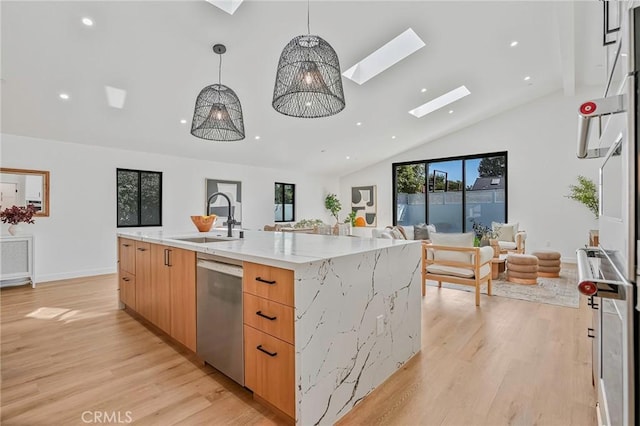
220, 70
308, 30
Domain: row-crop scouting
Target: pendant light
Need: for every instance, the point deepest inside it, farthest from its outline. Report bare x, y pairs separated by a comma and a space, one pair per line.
218, 113
308, 81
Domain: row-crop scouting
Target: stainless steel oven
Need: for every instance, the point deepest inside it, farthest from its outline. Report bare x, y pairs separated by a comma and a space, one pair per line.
608, 274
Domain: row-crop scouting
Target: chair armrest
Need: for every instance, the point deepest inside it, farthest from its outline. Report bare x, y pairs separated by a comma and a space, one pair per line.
486, 254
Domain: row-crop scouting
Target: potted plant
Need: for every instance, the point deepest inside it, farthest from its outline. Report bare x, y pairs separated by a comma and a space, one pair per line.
585, 192
332, 204
16, 215
351, 219
483, 234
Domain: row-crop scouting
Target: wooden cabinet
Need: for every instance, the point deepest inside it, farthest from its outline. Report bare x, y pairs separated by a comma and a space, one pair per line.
270, 317
127, 285
269, 369
161, 296
143, 279
159, 283
269, 282
269, 354
182, 265
127, 255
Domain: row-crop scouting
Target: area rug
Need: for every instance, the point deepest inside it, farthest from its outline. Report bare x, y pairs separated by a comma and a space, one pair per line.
562, 291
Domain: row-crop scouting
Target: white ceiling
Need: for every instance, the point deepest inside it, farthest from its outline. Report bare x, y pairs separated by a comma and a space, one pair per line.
160, 53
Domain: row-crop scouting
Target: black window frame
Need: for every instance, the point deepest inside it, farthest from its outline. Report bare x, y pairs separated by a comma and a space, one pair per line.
293, 200
463, 158
138, 225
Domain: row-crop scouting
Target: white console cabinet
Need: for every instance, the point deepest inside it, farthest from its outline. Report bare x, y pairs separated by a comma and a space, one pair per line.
16, 260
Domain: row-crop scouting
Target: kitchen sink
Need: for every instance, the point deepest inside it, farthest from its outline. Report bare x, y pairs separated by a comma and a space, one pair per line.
202, 240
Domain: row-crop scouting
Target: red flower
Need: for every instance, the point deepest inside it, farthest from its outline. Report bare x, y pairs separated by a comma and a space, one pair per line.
15, 214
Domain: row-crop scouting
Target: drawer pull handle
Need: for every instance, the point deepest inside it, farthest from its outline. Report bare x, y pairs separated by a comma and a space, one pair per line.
126, 245
142, 249
259, 347
125, 279
262, 280
590, 333
260, 314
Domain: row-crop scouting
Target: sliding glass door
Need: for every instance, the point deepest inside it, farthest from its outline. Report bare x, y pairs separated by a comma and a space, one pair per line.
451, 193
445, 195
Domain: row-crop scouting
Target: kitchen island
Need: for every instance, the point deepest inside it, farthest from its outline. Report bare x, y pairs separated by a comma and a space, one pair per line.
356, 306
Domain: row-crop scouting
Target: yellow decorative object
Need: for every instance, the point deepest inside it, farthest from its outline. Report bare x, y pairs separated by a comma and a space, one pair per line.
360, 221
204, 223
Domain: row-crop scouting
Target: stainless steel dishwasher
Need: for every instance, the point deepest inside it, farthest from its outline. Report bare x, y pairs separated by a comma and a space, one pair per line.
219, 315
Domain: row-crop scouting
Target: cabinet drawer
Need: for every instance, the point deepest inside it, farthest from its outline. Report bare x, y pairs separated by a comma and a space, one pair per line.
269, 369
127, 286
127, 255
272, 283
273, 318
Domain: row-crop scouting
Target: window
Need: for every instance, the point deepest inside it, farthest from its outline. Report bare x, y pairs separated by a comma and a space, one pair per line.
139, 195
285, 202
451, 193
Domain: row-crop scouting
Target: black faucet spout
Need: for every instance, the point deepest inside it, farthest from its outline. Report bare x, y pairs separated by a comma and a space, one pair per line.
230, 220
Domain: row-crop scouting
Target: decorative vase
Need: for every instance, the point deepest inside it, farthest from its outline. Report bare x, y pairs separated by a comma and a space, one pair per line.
204, 223
16, 229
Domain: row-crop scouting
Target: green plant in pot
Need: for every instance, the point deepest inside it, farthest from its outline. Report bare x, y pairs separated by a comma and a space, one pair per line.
585, 192
351, 219
332, 204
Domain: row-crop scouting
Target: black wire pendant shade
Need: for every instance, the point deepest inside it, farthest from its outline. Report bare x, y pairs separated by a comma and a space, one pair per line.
308, 80
218, 113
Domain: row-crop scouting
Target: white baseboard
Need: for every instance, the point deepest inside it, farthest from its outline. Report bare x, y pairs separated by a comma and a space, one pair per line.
75, 274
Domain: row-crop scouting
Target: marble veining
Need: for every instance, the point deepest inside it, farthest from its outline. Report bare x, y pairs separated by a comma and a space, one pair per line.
282, 249
339, 356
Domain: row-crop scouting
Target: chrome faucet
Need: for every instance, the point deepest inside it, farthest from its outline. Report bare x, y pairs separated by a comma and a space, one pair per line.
230, 220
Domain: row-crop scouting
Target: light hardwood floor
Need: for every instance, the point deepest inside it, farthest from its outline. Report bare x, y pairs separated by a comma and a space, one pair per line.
67, 349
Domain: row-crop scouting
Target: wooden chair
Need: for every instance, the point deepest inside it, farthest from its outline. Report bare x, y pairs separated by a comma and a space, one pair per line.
473, 273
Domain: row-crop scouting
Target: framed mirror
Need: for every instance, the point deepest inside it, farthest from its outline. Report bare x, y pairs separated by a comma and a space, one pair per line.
19, 187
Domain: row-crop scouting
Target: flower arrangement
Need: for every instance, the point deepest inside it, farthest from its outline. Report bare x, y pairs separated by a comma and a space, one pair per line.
482, 232
15, 214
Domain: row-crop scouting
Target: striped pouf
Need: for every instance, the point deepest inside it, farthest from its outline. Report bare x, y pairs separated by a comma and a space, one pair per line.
522, 269
548, 263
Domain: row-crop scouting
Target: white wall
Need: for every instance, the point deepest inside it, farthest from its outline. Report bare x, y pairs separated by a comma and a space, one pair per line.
78, 238
541, 139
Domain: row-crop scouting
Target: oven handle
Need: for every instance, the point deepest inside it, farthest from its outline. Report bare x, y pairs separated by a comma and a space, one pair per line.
591, 284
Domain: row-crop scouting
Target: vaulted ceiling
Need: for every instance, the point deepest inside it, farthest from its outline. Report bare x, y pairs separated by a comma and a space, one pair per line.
160, 53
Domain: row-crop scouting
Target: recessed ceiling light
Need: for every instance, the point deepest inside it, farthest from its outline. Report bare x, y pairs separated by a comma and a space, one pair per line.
64, 96
348, 158
440, 102
393, 137
424, 89
183, 121
514, 43
87, 21
450, 111
257, 138
527, 78
388, 55
358, 124
623, 54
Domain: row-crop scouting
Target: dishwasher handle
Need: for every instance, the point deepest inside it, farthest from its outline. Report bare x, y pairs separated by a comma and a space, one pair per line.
223, 268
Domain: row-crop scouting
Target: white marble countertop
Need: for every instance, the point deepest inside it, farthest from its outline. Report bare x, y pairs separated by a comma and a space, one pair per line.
284, 249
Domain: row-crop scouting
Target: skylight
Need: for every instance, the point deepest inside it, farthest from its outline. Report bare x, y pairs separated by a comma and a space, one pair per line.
229, 6
440, 102
388, 55
115, 96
